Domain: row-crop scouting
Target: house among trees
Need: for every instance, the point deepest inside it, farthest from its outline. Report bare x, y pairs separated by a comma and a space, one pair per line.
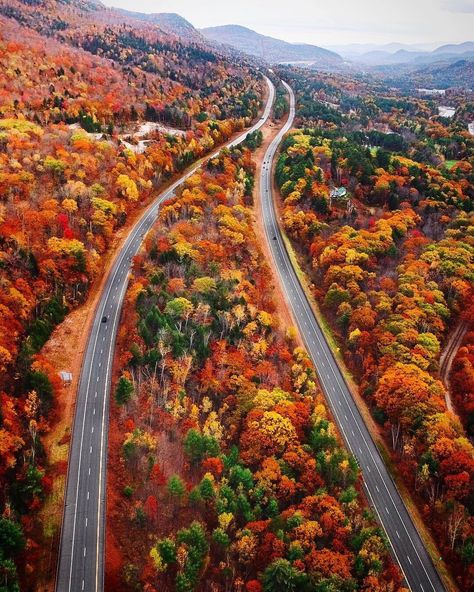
338, 193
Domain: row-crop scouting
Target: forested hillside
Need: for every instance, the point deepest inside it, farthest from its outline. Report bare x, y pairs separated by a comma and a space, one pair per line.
96, 115
377, 196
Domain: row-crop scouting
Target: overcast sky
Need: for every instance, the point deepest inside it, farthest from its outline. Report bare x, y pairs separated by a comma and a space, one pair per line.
324, 22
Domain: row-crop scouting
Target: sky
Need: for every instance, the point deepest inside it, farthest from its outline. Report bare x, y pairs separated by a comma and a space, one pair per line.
329, 23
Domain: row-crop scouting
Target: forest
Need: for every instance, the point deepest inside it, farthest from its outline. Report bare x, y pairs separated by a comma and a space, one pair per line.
72, 172
376, 196
228, 470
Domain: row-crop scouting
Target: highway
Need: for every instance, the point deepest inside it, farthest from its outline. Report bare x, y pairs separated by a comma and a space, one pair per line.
81, 553
407, 546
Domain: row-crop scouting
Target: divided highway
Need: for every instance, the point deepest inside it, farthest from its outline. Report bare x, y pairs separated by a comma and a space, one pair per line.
408, 548
82, 546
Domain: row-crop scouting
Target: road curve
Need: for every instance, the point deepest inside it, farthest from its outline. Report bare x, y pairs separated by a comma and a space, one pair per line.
82, 545
408, 548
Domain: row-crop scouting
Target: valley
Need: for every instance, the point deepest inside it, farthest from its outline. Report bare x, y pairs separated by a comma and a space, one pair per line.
236, 307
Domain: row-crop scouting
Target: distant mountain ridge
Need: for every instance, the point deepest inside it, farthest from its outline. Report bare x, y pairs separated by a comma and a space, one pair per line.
409, 55
268, 48
460, 48
169, 22
352, 50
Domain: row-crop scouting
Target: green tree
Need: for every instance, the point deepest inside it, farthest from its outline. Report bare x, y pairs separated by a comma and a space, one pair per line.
197, 446
140, 516
183, 583
194, 497
195, 540
11, 537
206, 489
240, 475
176, 487
40, 383
26, 488
220, 537
167, 549
194, 536
131, 576
280, 576
128, 491
179, 307
8, 575
12, 541
124, 391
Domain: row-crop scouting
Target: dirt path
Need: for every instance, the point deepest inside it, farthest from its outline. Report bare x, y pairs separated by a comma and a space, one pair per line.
447, 358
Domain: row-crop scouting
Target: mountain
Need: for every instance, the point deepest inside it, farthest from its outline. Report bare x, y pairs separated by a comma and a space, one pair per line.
460, 48
442, 74
450, 53
459, 74
174, 23
402, 56
172, 58
169, 22
270, 49
353, 50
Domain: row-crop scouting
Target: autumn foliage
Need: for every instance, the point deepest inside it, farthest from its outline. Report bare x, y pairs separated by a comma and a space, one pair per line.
462, 382
87, 138
264, 485
386, 236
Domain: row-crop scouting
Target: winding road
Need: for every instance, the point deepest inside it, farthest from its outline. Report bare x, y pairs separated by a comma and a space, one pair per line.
82, 545
407, 546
